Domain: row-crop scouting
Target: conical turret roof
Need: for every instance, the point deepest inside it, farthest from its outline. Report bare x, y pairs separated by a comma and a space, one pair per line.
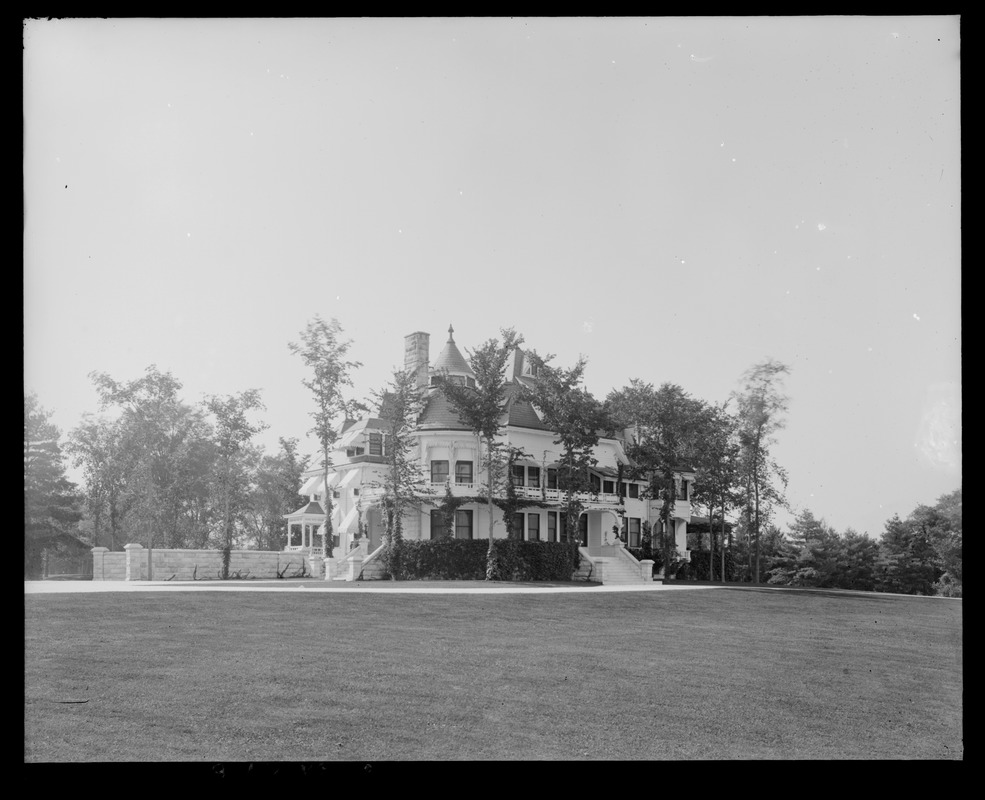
451, 360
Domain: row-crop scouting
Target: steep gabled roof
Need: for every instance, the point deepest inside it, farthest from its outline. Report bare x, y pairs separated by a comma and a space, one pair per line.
521, 413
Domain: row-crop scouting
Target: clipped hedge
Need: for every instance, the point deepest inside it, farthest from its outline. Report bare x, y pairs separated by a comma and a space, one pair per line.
449, 559
516, 560
443, 559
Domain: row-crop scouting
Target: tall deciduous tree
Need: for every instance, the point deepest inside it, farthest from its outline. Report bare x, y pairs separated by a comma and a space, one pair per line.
324, 351
404, 484
481, 408
233, 431
275, 493
761, 406
166, 451
51, 511
577, 419
95, 447
667, 425
717, 462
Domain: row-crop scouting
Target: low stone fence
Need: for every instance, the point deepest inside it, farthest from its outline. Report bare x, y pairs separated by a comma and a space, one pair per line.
190, 565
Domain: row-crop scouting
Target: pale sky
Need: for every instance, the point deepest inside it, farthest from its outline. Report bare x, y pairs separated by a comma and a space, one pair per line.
674, 198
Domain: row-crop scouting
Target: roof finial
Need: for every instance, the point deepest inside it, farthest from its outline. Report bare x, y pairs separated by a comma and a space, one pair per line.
451, 330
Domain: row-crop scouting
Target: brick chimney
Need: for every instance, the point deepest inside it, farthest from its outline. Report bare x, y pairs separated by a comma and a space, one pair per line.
416, 355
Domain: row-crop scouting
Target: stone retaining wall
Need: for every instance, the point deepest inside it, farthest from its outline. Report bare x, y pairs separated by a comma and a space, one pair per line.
187, 565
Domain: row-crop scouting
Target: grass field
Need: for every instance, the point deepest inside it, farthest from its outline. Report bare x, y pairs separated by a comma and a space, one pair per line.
297, 676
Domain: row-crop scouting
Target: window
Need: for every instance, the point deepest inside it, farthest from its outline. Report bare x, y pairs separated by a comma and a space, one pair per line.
463, 472
335, 494
608, 487
533, 527
596, 483
354, 451
533, 477
563, 524
623, 491
552, 526
463, 524
470, 382
634, 491
634, 531
376, 444
682, 491
551, 478
583, 529
437, 525
518, 524
517, 474
439, 471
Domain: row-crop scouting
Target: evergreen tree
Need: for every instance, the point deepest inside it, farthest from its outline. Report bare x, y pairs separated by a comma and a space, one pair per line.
51, 504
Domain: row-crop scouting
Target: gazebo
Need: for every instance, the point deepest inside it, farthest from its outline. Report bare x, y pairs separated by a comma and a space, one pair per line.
309, 518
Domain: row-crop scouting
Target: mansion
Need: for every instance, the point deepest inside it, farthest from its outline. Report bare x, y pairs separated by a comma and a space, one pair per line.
450, 458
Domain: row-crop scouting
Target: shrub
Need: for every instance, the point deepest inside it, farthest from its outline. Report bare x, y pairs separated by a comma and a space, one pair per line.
518, 560
441, 559
470, 560
699, 566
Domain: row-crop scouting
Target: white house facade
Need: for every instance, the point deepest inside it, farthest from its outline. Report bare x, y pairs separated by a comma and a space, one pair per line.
450, 457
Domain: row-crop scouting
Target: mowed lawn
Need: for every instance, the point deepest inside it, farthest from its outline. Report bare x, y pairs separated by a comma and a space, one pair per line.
309, 676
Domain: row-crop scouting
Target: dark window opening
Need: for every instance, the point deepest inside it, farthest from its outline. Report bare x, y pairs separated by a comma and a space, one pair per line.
439, 471
463, 524
463, 472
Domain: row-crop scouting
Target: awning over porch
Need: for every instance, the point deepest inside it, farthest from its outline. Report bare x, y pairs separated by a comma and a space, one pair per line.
350, 520
315, 483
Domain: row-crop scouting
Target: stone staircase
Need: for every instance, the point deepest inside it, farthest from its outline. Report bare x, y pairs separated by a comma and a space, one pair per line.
620, 568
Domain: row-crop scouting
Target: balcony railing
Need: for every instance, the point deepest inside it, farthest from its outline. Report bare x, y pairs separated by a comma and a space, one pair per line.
527, 492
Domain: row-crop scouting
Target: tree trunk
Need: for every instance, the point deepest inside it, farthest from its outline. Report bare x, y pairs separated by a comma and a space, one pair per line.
327, 540
711, 542
723, 539
755, 484
489, 483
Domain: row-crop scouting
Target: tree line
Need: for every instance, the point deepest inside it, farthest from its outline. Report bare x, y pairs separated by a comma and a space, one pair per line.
917, 555
162, 472
158, 471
